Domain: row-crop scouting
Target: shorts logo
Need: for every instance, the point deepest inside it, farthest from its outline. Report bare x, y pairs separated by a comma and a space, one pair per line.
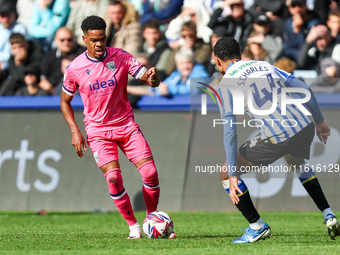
96, 157
111, 66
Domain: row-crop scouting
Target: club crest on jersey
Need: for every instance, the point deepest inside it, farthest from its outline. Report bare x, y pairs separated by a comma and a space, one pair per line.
111, 66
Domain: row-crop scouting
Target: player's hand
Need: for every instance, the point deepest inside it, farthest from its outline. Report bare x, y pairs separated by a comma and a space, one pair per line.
234, 189
79, 143
153, 76
323, 131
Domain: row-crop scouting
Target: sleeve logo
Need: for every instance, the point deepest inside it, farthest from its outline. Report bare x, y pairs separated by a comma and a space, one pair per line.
134, 62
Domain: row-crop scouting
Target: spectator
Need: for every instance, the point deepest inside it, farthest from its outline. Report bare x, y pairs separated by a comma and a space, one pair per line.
210, 5
247, 55
333, 23
328, 81
212, 69
320, 7
193, 11
65, 62
318, 45
255, 47
286, 64
80, 10
131, 14
138, 5
47, 17
201, 50
178, 83
9, 25
50, 65
262, 36
296, 28
273, 10
32, 79
25, 10
122, 33
162, 10
155, 47
334, 5
135, 88
238, 24
24, 53
13, 2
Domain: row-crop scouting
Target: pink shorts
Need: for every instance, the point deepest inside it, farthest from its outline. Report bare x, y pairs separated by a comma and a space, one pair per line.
130, 140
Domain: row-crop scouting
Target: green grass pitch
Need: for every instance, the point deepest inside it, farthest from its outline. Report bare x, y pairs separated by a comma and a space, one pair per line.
197, 233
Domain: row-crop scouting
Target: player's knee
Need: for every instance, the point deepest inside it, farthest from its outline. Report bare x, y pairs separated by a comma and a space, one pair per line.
149, 173
114, 177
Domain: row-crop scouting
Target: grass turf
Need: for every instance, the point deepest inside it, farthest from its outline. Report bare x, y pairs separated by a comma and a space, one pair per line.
197, 233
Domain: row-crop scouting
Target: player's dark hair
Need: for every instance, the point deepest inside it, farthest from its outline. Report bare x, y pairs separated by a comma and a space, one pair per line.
227, 48
153, 23
93, 23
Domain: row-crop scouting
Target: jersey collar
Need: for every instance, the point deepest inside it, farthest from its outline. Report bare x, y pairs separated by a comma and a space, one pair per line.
232, 64
96, 60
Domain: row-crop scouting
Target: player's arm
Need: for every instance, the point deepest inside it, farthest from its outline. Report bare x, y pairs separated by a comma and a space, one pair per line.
78, 140
322, 128
151, 77
230, 146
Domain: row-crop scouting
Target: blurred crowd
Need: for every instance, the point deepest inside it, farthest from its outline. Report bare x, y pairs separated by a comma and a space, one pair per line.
40, 38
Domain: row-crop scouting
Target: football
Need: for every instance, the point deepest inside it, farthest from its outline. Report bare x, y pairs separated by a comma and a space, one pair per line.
158, 224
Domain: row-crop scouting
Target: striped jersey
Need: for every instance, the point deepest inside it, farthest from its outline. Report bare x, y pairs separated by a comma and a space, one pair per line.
259, 79
102, 86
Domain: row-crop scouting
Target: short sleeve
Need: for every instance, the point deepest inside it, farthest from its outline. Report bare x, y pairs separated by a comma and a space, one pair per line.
69, 83
135, 68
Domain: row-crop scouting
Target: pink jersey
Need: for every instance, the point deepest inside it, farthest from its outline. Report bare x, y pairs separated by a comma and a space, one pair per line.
102, 87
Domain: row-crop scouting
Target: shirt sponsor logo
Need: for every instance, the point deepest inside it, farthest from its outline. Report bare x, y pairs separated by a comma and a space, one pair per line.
103, 84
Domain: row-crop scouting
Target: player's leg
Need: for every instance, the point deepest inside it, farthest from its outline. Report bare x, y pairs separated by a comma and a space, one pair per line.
112, 174
151, 190
105, 152
258, 229
137, 150
310, 182
139, 153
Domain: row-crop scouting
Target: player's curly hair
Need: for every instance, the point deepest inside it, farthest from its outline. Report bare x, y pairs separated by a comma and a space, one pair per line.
93, 23
227, 48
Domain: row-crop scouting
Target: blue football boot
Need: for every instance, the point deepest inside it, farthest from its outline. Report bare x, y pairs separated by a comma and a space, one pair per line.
252, 236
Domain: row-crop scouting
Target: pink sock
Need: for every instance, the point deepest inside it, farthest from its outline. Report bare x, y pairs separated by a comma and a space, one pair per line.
119, 195
150, 185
